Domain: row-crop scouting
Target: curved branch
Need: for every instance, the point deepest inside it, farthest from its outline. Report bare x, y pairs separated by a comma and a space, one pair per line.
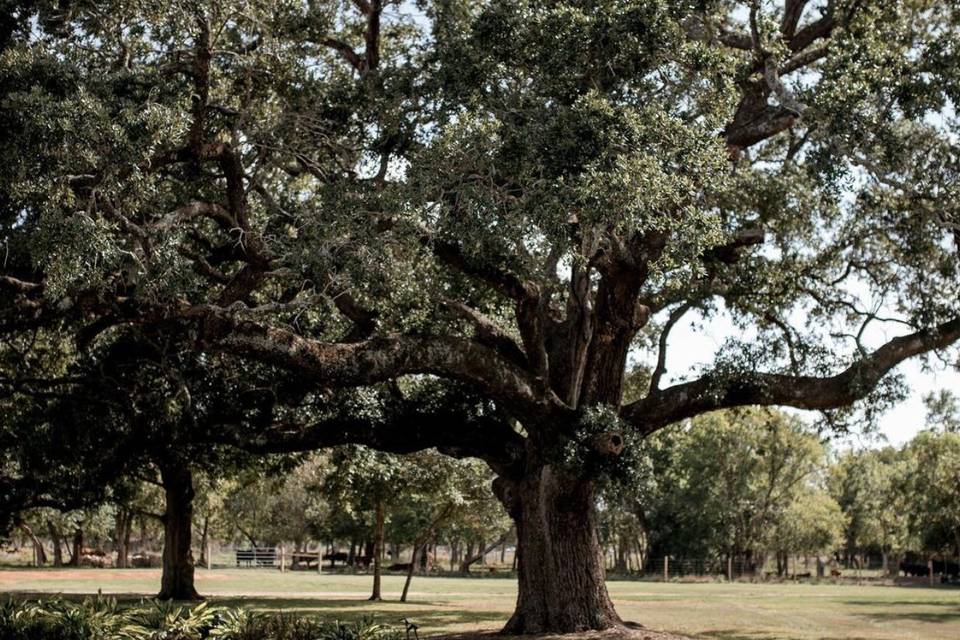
715, 391
381, 358
487, 437
661, 367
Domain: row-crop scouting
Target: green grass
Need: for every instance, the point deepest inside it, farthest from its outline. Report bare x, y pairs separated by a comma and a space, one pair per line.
704, 610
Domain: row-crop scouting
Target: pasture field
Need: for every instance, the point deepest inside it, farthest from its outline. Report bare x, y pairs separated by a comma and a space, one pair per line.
716, 611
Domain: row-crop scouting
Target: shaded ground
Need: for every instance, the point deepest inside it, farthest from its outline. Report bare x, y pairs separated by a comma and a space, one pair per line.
460, 605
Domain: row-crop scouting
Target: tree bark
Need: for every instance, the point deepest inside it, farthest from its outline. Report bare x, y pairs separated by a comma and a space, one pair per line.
38, 550
622, 550
561, 575
122, 538
377, 549
204, 537
57, 550
77, 546
177, 580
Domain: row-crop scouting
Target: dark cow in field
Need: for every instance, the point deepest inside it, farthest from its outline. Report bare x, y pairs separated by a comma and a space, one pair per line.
914, 569
338, 556
947, 569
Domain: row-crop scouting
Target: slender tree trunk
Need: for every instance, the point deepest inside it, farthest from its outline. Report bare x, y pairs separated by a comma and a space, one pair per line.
377, 549
126, 540
410, 570
142, 541
421, 547
177, 580
622, 550
39, 551
204, 558
77, 552
57, 550
481, 553
561, 575
122, 536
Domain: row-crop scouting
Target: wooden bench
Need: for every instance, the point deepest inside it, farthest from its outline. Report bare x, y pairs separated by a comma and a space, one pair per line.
259, 557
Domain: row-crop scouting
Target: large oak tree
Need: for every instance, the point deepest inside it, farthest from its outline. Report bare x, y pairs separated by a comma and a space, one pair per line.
506, 195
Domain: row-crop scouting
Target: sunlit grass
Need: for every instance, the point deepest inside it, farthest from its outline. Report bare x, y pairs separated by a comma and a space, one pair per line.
711, 610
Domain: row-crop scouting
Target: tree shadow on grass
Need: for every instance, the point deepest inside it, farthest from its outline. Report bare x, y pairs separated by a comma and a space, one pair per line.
429, 616
947, 611
740, 634
914, 616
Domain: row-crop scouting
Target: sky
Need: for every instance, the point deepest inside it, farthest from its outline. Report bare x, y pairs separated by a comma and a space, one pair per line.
688, 347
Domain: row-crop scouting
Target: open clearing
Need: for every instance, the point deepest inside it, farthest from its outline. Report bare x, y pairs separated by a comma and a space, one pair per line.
717, 611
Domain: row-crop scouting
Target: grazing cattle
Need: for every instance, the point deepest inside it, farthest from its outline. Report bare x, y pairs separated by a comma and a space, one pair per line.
146, 560
339, 556
96, 560
914, 569
363, 561
399, 566
835, 573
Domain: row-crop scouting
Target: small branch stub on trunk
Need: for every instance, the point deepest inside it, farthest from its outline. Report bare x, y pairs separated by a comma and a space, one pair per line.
609, 444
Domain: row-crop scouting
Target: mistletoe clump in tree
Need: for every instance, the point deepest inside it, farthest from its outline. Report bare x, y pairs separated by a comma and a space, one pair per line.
507, 195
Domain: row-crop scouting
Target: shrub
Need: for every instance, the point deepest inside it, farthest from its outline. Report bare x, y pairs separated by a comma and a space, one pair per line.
103, 619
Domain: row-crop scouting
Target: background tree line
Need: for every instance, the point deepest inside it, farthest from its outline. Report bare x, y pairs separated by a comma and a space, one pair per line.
756, 486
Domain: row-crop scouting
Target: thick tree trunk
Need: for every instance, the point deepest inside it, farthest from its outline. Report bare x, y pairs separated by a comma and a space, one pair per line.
377, 550
177, 580
562, 585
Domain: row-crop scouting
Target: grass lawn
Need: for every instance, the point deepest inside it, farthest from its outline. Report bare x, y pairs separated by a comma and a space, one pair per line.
718, 611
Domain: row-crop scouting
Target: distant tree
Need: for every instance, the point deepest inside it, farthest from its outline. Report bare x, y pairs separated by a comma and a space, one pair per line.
277, 502
933, 486
134, 409
943, 410
726, 480
869, 486
812, 524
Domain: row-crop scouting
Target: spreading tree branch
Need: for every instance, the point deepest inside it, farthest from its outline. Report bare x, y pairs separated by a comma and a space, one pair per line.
717, 391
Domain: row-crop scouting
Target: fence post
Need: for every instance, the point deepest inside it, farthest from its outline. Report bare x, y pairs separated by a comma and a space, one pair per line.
930, 570
281, 559
209, 557
729, 569
666, 568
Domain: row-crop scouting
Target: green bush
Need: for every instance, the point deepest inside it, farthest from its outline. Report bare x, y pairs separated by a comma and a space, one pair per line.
104, 619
